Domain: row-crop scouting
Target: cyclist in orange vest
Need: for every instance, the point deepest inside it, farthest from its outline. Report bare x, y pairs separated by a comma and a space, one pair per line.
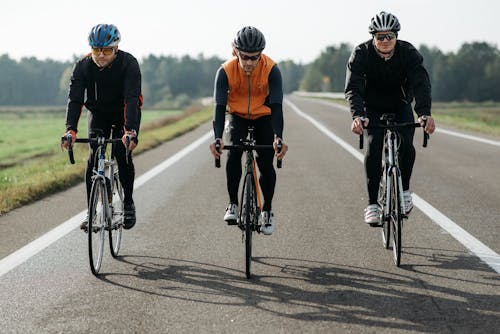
249, 87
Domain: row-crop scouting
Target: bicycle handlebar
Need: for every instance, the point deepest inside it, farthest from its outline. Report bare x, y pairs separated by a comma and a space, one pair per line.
247, 147
69, 139
394, 126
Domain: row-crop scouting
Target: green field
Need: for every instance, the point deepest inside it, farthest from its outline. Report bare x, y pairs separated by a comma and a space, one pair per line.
34, 133
476, 117
33, 166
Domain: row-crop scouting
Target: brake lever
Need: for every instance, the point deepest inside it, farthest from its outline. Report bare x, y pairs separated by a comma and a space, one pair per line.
279, 162
69, 139
361, 136
127, 150
426, 135
217, 148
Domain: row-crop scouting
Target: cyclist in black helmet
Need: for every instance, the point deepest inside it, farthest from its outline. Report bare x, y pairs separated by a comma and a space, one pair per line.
385, 75
107, 81
249, 87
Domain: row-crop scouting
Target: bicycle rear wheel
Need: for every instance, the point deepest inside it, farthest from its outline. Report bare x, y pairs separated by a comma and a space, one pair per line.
116, 228
395, 217
385, 183
97, 223
248, 215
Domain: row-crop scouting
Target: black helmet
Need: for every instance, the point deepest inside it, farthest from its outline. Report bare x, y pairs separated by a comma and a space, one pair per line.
249, 39
384, 22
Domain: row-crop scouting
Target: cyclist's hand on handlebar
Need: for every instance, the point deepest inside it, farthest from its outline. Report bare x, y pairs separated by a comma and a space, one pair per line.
358, 125
132, 143
428, 122
280, 154
216, 153
64, 143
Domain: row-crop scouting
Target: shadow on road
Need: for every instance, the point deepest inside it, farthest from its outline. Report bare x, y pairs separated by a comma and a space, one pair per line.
321, 291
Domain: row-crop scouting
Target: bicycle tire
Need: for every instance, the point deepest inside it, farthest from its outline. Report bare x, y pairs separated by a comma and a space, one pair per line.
249, 206
97, 222
382, 200
116, 226
396, 219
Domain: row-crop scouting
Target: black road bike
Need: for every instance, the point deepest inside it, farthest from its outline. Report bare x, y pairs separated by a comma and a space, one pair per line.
390, 194
250, 201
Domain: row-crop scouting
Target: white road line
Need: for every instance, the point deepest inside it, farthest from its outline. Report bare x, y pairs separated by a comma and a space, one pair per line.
23, 254
464, 136
470, 242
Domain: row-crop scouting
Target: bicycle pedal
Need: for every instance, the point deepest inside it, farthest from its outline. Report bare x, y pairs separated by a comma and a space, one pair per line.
232, 222
375, 224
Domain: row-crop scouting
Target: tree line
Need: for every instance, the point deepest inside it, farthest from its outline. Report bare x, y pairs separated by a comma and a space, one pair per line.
470, 74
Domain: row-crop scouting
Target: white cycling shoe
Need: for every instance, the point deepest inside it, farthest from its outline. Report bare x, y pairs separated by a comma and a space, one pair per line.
231, 216
372, 214
268, 223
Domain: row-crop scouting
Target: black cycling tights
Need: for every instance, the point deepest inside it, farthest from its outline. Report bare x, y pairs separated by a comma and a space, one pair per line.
264, 135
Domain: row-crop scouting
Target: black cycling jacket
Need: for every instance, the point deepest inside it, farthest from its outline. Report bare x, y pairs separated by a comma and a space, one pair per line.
374, 83
114, 90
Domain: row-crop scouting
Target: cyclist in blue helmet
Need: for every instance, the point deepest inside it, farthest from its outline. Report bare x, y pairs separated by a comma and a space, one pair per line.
385, 75
107, 81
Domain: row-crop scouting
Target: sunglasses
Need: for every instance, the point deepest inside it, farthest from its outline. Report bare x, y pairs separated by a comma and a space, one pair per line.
388, 36
105, 51
247, 57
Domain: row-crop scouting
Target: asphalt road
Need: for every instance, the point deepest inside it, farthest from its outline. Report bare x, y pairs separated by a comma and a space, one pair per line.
181, 269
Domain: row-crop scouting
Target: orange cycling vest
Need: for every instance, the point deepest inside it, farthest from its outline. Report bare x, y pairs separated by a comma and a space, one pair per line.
240, 98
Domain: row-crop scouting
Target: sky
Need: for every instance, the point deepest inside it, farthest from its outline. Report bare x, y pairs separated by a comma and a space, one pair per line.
295, 30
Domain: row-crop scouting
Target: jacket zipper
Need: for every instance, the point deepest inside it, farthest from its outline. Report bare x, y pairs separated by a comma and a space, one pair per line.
249, 95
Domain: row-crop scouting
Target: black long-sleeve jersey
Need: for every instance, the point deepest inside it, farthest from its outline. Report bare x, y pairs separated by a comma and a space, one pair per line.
114, 90
379, 84
274, 100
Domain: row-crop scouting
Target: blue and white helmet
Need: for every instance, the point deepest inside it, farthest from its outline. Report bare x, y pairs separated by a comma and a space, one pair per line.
384, 21
104, 35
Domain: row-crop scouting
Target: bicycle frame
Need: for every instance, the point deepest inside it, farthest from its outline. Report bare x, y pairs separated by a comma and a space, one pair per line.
390, 162
248, 145
104, 164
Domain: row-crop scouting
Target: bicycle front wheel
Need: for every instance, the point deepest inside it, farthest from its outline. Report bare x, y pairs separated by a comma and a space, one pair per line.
97, 224
116, 228
395, 216
248, 214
